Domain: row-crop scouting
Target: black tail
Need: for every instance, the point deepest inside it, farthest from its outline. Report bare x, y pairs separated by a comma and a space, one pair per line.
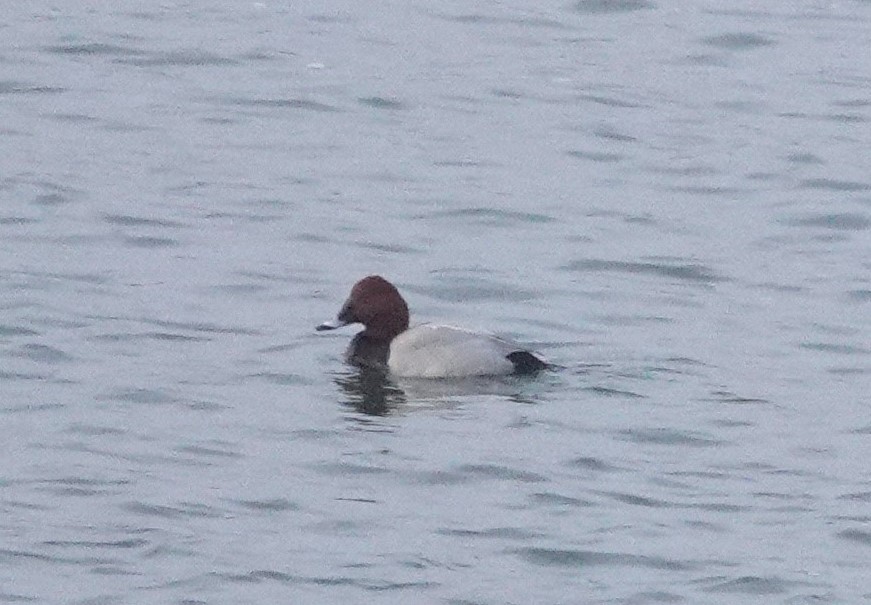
526, 363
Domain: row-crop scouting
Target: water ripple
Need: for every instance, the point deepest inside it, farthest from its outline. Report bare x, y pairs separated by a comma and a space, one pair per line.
495, 471
269, 505
738, 41
503, 533
83, 487
860, 295
201, 326
149, 241
635, 500
597, 156
589, 558
752, 585
185, 509
468, 289
225, 451
593, 464
490, 216
601, 7
845, 221
139, 396
8, 87
554, 499
835, 185
43, 354
609, 392
127, 220
286, 104
9, 597
92, 544
688, 272
856, 535
382, 103
374, 585
6, 330
179, 58
666, 436
93, 48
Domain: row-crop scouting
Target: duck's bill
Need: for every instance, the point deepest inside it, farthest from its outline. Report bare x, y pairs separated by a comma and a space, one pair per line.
331, 325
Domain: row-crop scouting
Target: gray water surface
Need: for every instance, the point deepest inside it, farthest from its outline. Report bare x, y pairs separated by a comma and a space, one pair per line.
670, 201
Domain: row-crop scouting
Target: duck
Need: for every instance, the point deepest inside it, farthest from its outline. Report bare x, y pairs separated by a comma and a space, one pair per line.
426, 350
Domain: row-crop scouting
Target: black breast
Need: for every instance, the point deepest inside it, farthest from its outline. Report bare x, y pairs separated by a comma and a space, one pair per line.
367, 352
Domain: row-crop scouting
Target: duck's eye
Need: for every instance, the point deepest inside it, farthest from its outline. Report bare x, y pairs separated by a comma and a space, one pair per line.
347, 314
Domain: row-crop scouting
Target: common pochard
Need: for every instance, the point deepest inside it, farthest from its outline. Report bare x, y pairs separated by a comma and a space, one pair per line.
424, 351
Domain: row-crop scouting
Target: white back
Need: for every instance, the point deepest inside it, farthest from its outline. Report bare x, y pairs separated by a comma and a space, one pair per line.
435, 351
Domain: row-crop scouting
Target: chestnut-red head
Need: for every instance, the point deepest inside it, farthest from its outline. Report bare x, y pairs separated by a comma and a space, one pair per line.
377, 304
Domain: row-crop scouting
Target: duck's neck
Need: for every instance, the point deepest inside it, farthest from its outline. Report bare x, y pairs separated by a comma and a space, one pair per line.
385, 329
367, 351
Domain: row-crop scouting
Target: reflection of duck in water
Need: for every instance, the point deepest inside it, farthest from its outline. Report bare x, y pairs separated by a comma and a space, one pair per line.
369, 391
424, 351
